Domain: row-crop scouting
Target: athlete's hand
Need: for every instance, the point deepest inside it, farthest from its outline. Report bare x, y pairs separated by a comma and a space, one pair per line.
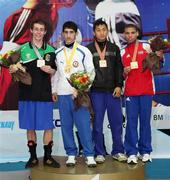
159, 54
117, 92
127, 70
54, 97
75, 93
47, 69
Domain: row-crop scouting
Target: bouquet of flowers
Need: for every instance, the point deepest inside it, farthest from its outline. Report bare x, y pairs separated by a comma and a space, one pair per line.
167, 43
81, 81
10, 56
152, 61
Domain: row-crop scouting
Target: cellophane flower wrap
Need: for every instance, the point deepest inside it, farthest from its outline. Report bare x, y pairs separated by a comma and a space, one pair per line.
82, 81
152, 61
10, 55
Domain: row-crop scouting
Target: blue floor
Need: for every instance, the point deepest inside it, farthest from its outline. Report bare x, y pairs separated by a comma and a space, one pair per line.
18, 166
158, 169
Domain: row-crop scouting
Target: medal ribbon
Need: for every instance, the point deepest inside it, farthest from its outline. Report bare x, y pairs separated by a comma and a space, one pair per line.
37, 52
101, 53
135, 51
69, 59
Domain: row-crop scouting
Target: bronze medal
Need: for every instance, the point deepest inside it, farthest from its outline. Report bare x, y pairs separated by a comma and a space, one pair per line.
102, 63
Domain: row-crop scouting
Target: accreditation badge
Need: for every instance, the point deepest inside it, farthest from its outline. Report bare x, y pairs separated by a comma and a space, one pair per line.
102, 63
40, 62
67, 69
134, 65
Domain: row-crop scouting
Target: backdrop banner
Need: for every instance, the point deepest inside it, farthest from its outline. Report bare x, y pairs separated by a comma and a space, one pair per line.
151, 17
13, 142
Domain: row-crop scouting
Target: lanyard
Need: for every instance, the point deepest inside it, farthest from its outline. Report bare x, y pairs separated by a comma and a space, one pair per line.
135, 51
101, 53
69, 59
37, 52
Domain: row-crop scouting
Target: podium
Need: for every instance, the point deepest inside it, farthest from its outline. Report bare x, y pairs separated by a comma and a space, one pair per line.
109, 170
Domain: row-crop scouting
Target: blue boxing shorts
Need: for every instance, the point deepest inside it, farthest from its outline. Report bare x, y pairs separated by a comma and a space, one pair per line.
35, 115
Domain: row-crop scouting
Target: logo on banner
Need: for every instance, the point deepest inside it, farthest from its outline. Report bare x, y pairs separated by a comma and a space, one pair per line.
7, 124
161, 119
57, 122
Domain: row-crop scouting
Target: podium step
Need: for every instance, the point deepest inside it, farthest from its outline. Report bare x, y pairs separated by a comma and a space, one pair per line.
110, 170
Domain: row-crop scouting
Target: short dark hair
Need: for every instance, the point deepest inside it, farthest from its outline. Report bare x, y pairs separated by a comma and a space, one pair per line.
38, 21
99, 22
47, 26
70, 25
131, 26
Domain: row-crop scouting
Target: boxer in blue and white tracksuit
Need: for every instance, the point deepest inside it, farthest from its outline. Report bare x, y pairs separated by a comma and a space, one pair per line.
81, 61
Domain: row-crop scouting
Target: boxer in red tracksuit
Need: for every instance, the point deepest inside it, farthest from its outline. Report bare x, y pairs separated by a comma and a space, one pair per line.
139, 89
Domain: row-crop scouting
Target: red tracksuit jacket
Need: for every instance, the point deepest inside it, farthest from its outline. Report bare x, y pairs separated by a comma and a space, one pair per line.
137, 82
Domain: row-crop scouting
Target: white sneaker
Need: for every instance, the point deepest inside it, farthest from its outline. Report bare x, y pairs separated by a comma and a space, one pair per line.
100, 159
120, 157
146, 158
132, 159
90, 161
71, 161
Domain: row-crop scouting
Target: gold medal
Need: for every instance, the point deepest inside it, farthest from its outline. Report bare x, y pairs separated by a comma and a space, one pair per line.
68, 65
67, 69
